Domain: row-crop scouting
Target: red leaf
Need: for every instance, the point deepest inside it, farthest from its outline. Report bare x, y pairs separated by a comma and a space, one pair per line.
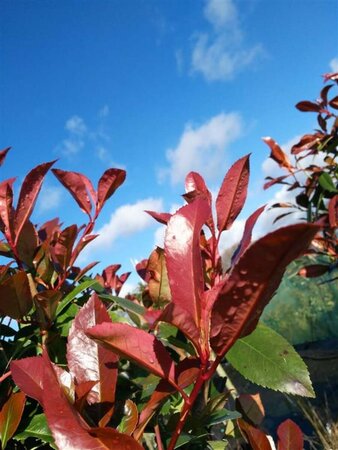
313, 270
307, 106
88, 361
177, 316
273, 181
324, 92
3, 154
27, 373
183, 257
6, 209
63, 248
232, 193
290, 436
15, 296
108, 183
130, 418
257, 439
334, 102
160, 217
333, 211
112, 439
195, 182
308, 141
27, 243
28, 195
46, 303
76, 184
247, 233
141, 347
10, 416
68, 428
195, 187
244, 294
141, 269
277, 154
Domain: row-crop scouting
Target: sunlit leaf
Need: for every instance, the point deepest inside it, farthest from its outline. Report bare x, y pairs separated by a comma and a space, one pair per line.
266, 358
141, 347
29, 192
232, 194
88, 361
183, 257
242, 296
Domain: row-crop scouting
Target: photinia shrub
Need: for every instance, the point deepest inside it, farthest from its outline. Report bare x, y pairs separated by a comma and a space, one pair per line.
100, 371
313, 176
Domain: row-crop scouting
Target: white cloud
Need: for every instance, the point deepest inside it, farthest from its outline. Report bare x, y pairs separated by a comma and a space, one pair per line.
334, 64
125, 221
202, 148
221, 13
76, 125
104, 111
221, 53
82, 137
50, 198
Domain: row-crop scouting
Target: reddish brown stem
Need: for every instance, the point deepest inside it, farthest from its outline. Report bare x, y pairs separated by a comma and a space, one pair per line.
158, 437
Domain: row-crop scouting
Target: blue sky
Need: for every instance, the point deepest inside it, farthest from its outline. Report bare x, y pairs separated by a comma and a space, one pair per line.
158, 87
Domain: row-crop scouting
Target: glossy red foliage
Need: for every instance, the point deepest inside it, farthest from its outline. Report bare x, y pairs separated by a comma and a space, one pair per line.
183, 257
137, 345
232, 194
244, 294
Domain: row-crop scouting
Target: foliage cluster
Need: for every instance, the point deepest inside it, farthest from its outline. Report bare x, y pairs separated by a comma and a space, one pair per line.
101, 371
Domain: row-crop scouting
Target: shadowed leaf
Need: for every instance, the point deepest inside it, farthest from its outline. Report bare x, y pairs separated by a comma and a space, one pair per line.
15, 296
3, 154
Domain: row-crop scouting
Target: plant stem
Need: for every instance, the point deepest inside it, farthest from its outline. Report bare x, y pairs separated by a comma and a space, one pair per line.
158, 437
187, 406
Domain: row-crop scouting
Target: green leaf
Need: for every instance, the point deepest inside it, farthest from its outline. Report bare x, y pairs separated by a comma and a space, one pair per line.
266, 358
70, 297
37, 428
221, 416
326, 182
217, 445
124, 303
